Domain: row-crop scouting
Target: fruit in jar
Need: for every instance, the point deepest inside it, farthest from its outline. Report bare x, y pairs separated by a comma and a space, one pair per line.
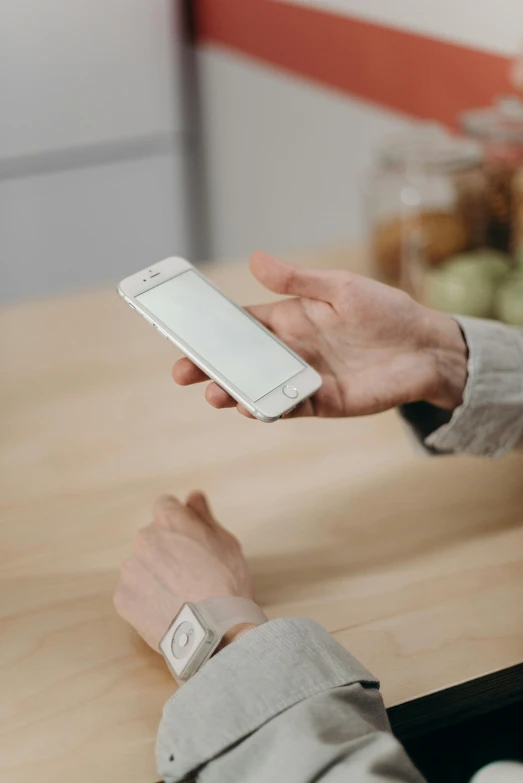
508, 306
431, 236
519, 256
466, 283
464, 294
494, 263
486, 262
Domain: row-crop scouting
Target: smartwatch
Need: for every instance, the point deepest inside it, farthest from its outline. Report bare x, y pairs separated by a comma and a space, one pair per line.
198, 629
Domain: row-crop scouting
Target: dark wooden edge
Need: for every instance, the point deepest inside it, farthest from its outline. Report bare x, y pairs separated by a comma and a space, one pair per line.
457, 704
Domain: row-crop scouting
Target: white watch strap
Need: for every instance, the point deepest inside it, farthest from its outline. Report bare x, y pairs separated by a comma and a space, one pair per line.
222, 614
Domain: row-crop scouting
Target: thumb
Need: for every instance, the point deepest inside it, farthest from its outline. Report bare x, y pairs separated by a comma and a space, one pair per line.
198, 503
283, 278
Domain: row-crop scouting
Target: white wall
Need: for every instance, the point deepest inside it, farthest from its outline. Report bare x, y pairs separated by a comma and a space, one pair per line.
286, 159
94, 142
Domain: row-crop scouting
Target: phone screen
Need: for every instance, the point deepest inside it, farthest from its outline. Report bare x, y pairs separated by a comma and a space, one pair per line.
221, 333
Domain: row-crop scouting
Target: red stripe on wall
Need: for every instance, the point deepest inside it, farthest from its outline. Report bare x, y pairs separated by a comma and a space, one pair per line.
414, 74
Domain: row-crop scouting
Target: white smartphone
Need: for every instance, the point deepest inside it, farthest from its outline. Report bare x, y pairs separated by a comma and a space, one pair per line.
230, 346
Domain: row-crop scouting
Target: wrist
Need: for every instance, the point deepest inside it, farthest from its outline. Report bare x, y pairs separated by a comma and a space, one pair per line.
445, 345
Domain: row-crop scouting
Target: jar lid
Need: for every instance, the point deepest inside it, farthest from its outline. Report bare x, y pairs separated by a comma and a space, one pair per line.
501, 122
430, 147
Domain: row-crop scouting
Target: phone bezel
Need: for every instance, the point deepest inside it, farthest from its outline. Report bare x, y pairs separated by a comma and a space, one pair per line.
268, 408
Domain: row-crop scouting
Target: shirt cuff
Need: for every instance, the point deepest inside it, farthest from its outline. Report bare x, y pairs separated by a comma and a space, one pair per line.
263, 673
489, 422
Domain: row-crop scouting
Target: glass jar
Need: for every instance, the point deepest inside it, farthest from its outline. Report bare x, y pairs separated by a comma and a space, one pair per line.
517, 216
499, 128
427, 203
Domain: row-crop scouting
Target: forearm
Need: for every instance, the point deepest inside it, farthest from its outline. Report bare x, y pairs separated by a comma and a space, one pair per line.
285, 702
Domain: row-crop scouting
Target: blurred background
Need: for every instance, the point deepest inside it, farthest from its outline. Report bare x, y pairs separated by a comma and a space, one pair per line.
132, 130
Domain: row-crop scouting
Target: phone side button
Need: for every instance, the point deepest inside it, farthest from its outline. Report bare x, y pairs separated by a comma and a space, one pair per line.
161, 331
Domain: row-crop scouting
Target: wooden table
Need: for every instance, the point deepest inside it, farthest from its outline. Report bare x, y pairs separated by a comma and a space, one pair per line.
415, 565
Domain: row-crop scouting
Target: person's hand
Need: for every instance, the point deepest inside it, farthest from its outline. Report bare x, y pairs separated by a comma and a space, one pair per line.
183, 555
373, 345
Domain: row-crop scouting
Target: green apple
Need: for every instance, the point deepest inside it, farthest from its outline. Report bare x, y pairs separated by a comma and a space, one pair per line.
464, 291
496, 265
508, 304
466, 283
489, 263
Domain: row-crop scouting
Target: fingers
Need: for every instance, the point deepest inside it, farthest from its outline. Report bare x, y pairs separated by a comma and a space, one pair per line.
263, 313
283, 278
199, 504
166, 509
218, 397
244, 412
170, 513
185, 373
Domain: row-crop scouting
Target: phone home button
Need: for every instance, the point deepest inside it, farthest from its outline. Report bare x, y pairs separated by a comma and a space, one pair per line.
290, 391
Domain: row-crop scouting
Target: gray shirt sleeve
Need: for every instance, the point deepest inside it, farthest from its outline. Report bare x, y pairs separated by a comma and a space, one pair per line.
490, 420
285, 702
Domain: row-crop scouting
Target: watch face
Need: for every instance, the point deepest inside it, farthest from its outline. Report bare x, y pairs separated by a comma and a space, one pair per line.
187, 643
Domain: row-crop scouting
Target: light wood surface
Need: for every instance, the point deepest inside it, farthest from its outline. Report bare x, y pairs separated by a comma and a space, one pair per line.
415, 565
